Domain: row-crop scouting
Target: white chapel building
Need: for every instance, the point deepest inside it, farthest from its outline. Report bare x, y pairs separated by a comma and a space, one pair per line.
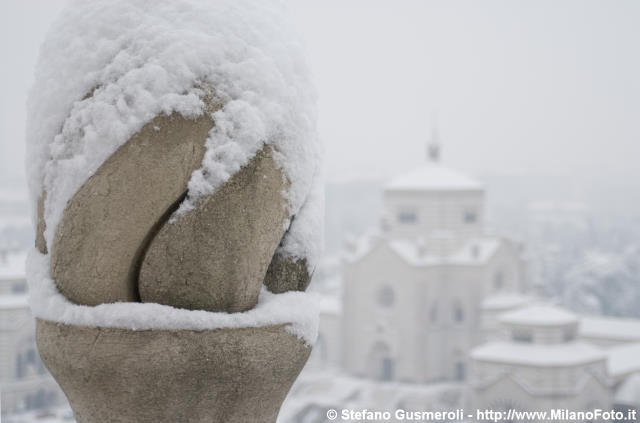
435, 313
540, 363
413, 290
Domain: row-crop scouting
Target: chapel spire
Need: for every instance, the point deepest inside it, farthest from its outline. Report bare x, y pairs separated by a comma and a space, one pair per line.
433, 146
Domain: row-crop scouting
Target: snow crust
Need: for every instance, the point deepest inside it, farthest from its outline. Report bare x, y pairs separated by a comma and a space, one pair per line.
108, 67
298, 310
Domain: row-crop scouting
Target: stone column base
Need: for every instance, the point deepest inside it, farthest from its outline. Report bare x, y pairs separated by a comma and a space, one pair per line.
224, 375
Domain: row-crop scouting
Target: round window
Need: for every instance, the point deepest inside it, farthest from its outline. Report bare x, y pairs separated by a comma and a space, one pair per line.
386, 296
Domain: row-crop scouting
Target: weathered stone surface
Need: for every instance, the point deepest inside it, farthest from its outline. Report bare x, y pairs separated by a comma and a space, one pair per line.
98, 244
215, 257
284, 274
225, 375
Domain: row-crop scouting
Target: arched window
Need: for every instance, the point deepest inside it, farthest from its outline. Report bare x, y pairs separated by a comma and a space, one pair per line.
569, 335
498, 280
385, 296
522, 335
380, 362
470, 216
21, 367
407, 217
433, 313
458, 312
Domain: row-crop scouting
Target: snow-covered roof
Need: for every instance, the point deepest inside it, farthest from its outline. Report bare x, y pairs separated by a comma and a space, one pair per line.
473, 252
624, 359
8, 302
505, 301
433, 177
539, 315
540, 355
12, 265
611, 328
629, 392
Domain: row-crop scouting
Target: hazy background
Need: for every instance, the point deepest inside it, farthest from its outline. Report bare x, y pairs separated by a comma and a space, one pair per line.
539, 99
538, 87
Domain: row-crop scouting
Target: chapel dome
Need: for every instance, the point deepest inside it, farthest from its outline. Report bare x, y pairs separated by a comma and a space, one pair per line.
433, 177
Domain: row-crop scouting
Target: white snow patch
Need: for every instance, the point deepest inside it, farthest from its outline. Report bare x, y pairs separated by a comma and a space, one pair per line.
138, 59
505, 301
298, 310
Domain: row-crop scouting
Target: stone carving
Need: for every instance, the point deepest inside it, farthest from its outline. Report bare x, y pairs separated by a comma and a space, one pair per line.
197, 262
115, 243
105, 226
227, 375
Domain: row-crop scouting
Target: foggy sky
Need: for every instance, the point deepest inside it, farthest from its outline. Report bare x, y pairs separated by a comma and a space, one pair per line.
546, 87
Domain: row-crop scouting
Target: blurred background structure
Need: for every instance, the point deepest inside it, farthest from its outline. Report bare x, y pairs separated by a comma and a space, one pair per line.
515, 288
429, 311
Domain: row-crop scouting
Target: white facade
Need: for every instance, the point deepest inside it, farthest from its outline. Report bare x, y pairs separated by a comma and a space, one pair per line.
412, 293
433, 200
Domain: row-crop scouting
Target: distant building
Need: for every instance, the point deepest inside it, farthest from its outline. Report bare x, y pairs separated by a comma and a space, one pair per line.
493, 307
25, 383
627, 395
316, 392
541, 364
610, 331
433, 313
413, 291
